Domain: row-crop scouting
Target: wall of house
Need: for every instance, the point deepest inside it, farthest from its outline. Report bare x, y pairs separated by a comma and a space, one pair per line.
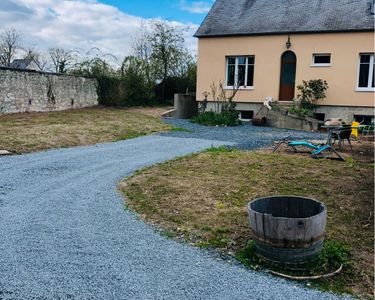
27, 91
342, 75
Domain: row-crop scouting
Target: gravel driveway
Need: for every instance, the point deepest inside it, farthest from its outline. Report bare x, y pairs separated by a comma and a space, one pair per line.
245, 136
64, 233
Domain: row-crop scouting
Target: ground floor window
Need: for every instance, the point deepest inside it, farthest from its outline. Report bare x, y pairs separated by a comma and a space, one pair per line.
246, 114
320, 116
240, 71
364, 119
366, 72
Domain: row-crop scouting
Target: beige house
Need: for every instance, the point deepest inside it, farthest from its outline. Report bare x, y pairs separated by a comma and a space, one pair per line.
269, 47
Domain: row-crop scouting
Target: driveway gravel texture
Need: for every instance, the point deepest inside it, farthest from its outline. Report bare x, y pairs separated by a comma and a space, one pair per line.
64, 232
246, 136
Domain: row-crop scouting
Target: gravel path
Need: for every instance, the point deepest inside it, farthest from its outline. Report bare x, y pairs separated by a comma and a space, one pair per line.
245, 136
64, 233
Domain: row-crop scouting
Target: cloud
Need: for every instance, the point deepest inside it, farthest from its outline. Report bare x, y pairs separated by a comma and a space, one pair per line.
77, 24
198, 7
11, 6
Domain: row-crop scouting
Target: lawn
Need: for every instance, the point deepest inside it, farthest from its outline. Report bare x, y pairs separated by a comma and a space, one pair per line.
202, 198
29, 132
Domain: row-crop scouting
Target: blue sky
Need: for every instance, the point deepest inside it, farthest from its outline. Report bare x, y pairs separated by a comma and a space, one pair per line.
110, 25
173, 10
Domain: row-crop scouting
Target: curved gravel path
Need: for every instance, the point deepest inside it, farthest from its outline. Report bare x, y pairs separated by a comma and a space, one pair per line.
64, 233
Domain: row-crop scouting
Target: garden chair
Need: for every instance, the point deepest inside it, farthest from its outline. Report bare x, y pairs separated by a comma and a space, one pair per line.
367, 129
342, 134
318, 150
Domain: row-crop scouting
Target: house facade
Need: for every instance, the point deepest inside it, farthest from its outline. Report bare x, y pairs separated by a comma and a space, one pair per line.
267, 48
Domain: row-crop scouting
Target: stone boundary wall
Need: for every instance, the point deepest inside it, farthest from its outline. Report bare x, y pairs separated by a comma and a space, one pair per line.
33, 91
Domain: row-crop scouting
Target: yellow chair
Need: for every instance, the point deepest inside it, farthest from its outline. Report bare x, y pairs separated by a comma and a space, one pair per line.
355, 126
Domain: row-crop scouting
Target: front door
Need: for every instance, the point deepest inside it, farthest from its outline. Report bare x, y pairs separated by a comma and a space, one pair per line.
287, 76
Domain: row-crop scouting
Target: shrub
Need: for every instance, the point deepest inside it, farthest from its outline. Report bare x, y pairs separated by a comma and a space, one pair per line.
131, 90
110, 90
211, 118
137, 90
311, 92
225, 113
301, 112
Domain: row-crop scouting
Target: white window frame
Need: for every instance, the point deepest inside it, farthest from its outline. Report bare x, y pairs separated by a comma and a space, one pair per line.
371, 73
243, 87
313, 64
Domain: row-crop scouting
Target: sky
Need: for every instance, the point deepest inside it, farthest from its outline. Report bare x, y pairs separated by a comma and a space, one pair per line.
110, 25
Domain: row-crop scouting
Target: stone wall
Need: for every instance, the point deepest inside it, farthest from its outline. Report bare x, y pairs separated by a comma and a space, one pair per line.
26, 91
281, 120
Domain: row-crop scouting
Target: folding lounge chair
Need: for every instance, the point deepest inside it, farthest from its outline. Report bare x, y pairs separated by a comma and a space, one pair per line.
318, 150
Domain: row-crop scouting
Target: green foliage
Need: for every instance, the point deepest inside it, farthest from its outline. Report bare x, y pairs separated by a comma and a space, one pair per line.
225, 113
173, 85
129, 91
137, 90
333, 255
110, 90
211, 118
159, 67
166, 48
221, 149
247, 256
162, 58
350, 162
301, 112
310, 92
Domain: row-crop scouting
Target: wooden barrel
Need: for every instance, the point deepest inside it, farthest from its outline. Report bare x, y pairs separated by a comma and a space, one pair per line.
287, 229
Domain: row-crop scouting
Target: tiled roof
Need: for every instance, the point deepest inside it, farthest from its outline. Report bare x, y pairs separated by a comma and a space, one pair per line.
255, 17
20, 63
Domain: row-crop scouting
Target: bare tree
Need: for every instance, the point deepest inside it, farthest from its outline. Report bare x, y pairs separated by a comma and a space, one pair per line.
96, 63
142, 52
62, 60
10, 41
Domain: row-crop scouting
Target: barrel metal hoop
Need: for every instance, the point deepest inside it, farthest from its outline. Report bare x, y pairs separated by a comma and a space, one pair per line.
287, 255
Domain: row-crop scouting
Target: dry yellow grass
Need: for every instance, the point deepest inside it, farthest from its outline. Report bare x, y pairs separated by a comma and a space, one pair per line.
28, 132
204, 197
